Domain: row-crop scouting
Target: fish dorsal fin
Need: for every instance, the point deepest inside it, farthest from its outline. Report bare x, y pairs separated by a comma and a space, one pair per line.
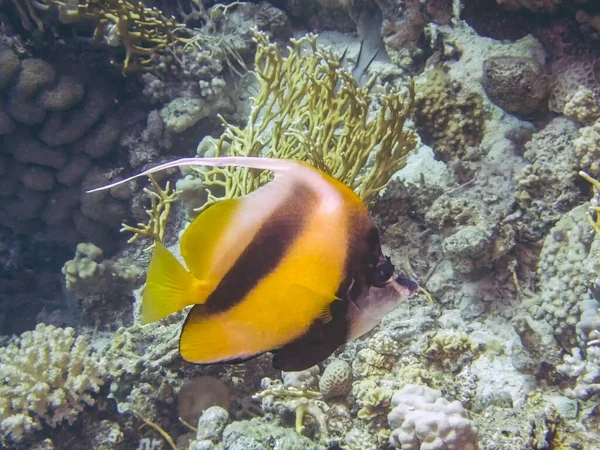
200, 241
278, 166
327, 186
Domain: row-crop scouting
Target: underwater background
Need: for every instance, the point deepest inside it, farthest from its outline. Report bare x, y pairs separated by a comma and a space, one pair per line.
471, 131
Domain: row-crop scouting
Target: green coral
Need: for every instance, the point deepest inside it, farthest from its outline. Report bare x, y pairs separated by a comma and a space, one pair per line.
448, 118
449, 349
310, 108
88, 273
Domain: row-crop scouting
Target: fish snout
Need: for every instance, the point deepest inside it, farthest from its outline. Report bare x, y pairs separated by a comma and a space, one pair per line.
407, 283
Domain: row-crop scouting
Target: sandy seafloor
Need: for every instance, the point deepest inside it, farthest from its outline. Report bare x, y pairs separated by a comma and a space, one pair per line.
489, 212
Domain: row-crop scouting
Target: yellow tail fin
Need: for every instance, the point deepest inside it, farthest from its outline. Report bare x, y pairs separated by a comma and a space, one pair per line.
170, 287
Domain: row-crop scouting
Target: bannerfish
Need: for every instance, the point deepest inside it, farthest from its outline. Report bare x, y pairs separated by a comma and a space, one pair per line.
294, 268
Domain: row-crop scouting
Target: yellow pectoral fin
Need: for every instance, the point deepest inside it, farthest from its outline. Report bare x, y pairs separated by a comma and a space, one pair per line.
170, 287
307, 295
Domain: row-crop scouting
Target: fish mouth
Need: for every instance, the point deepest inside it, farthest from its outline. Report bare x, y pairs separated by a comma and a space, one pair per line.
407, 283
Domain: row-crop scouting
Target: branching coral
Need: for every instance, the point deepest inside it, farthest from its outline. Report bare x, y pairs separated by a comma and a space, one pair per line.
315, 412
158, 214
275, 398
143, 31
594, 210
308, 107
49, 376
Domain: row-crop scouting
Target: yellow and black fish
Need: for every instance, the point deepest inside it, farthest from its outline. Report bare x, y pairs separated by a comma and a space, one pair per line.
294, 268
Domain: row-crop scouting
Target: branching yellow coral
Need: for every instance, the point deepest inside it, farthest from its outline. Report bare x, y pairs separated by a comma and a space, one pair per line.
593, 214
141, 30
308, 107
160, 208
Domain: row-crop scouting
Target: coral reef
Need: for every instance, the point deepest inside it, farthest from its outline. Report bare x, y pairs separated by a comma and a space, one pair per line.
546, 185
49, 377
211, 424
561, 277
587, 148
142, 31
569, 76
255, 434
90, 274
198, 395
46, 170
466, 145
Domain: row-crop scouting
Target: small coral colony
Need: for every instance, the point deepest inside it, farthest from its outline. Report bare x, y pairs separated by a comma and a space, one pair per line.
320, 224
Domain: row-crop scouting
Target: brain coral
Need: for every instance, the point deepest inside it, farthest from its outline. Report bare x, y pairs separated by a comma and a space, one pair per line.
569, 74
49, 376
336, 380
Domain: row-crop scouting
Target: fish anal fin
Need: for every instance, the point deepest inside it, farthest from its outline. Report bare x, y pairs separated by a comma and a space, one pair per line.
311, 349
317, 344
170, 287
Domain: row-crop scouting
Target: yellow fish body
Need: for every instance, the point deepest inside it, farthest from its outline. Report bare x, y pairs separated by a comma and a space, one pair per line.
295, 268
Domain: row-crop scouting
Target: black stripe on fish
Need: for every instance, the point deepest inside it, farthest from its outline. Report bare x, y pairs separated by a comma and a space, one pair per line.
317, 344
321, 340
265, 252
